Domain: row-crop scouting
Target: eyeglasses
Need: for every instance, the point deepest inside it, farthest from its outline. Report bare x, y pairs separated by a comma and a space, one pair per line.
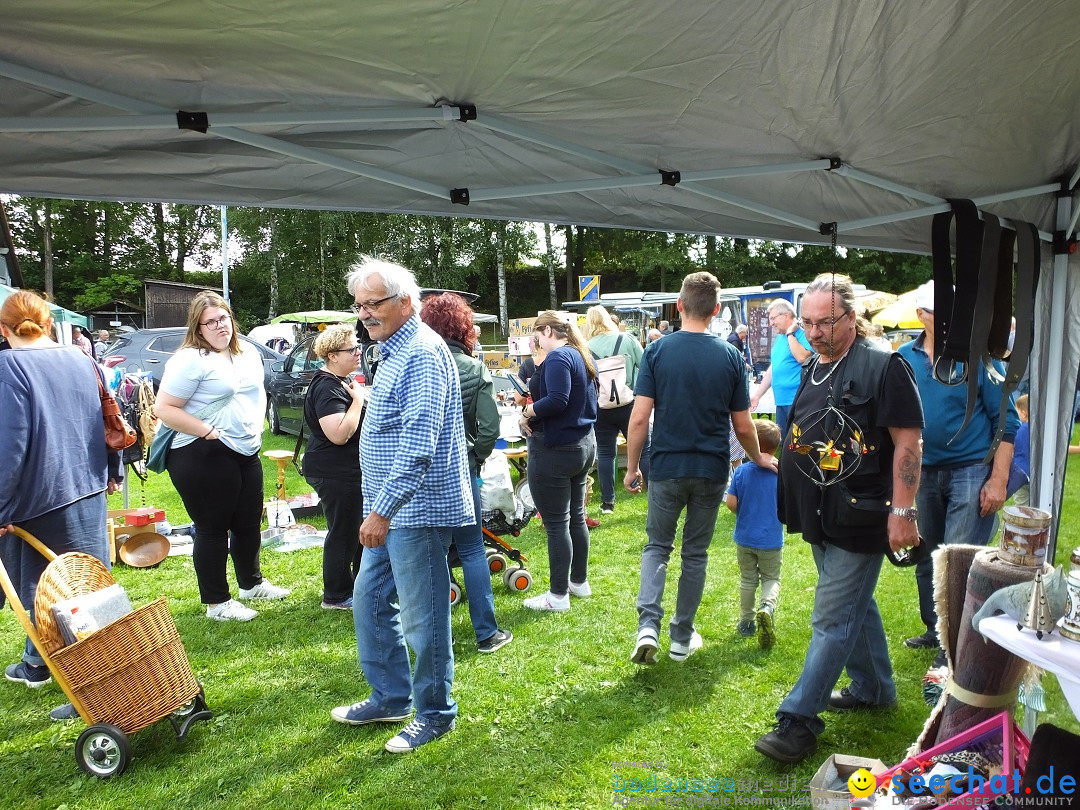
216, 323
370, 306
828, 323
353, 349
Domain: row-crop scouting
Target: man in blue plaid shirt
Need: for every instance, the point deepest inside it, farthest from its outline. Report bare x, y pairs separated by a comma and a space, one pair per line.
416, 490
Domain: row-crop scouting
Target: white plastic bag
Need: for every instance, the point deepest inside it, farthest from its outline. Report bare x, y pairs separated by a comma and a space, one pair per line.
496, 486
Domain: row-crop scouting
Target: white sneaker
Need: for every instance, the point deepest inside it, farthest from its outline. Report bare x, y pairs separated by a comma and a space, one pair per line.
264, 590
582, 591
548, 601
680, 652
645, 649
230, 611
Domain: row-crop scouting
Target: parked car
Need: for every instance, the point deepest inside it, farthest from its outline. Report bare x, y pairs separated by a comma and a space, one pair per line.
289, 381
149, 349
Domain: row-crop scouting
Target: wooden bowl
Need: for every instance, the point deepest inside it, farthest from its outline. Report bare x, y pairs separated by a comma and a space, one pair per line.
144, 549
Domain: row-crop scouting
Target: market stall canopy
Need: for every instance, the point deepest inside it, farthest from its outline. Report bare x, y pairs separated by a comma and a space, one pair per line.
900, 314
316, 316
748, 119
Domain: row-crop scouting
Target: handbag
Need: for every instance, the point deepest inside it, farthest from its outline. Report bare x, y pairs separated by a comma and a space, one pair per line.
157, 457
119, 435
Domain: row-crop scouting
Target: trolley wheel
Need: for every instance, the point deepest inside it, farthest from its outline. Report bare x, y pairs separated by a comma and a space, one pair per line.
103, 751
488, 551
190, 713
517, 579
497, 563
455, 594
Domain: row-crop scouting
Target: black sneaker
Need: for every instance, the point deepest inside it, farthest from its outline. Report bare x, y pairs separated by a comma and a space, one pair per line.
841, 700
790, 741
24, 673
497, 641
926, 641
746, 629
607, 508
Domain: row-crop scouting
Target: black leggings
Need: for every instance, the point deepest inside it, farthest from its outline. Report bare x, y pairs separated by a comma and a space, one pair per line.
222, 491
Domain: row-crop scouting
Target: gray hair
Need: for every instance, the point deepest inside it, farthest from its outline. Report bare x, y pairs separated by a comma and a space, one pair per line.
398, 281
782, 305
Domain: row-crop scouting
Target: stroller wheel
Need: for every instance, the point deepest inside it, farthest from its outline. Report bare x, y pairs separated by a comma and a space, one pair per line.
497, 563
517, 579
455, 594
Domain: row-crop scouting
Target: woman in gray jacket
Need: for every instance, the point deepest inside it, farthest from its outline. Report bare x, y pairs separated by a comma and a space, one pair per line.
450, 317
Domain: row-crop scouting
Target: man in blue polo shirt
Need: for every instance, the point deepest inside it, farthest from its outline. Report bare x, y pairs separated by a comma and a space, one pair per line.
960, 492
790, 350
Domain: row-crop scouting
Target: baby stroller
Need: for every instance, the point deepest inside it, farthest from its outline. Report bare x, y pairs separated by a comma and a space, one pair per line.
502, 558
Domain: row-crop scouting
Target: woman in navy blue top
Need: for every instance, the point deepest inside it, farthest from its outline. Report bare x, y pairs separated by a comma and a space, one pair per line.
562, 449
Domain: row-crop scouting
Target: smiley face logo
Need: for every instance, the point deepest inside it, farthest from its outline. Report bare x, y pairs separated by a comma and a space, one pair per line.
861, 783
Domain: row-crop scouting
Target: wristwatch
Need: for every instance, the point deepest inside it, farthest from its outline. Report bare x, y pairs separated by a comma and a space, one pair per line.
791, 332
906, 512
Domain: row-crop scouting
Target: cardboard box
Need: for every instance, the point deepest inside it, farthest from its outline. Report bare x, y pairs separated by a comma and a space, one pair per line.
497, 360
828, 787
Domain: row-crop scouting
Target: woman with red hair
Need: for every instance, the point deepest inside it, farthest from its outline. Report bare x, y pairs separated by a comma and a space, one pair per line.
57, 469
452, 319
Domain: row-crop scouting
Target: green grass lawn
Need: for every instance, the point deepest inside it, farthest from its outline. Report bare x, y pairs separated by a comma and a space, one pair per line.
543, 722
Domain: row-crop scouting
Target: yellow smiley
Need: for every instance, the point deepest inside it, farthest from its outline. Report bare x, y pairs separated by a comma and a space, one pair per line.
861, 783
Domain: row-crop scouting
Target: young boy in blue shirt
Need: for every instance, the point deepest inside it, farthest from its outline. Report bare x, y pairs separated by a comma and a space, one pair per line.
759, 539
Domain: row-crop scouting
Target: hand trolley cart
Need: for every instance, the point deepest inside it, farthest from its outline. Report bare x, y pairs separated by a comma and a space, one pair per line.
120, 679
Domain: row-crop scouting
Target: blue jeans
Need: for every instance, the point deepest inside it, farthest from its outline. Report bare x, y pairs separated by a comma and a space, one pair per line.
402, 596
846, 630
783, 416
469, 541
609, 424
557, 484
700, 497
948, 502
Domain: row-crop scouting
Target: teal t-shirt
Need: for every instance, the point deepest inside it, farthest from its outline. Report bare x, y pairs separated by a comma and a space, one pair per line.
696, 381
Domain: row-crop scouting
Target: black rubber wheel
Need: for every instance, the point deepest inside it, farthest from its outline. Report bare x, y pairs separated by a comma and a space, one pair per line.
103, 751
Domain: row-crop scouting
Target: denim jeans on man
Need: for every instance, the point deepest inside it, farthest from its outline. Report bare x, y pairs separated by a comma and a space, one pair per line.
610, 423
701, 498
411, 563
469, 542
948, 502
846, 630
557, 485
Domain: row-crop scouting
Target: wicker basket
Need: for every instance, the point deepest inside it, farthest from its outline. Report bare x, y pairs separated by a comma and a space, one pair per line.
130, 673
70, 574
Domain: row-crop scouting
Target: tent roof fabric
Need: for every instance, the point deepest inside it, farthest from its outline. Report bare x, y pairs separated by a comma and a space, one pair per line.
579, 107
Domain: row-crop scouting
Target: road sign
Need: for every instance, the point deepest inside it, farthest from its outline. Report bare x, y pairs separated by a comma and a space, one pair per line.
588, 288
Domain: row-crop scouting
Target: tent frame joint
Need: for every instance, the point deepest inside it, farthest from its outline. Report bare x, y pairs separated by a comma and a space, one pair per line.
459, 196
828, 228
835, 163
193, 121
670, 178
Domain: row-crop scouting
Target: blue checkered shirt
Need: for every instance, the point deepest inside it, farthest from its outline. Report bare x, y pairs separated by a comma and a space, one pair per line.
413, 451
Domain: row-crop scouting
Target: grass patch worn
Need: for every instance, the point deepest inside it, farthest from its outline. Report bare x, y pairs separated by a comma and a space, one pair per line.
552, 720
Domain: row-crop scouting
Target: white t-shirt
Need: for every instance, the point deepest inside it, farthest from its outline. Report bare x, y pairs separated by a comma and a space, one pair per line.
202, 378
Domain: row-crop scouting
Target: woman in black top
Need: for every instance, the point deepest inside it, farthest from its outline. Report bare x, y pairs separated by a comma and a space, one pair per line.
332, 412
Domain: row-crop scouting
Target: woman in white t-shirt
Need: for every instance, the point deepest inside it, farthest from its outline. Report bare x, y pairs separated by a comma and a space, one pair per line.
212, 394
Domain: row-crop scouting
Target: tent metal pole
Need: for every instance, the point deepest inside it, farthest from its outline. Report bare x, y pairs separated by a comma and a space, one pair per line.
1071, 229
167, 121
758, 208
264, 142
873, 180
501, 125
651, 178
1055, 430
917, 213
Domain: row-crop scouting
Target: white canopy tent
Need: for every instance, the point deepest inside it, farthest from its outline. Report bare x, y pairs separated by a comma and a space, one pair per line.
769, 119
